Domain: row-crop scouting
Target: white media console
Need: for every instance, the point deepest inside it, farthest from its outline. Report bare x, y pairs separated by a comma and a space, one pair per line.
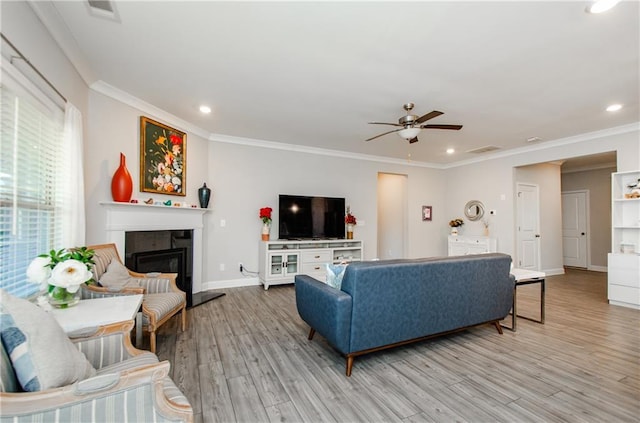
280, 261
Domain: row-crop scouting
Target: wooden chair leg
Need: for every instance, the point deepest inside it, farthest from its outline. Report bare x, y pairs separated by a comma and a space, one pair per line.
349, 364
152, 341
184, 318
311, 333
498, 326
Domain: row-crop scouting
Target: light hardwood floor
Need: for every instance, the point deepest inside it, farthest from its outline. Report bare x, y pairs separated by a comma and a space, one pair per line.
246, 358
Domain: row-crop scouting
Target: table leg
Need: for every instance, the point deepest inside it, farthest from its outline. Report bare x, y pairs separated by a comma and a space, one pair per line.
139, 330
542, 294
515, 311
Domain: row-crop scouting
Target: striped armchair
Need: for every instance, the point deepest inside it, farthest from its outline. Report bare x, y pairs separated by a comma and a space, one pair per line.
130, 385
162, 299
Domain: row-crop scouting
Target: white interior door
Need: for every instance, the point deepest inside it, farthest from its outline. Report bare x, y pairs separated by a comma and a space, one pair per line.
528, 223
574, 228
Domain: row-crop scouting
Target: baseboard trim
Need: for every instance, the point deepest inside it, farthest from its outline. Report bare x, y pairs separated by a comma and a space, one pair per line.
553, 272
602, 269
230, 283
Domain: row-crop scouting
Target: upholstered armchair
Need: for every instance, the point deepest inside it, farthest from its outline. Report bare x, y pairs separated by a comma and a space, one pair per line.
128, 385
162, 299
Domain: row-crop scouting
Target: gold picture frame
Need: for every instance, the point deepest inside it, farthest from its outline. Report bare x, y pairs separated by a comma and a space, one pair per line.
163, 158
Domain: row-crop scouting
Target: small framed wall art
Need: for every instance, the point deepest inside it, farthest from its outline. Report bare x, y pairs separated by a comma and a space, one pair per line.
163, 158
426, 212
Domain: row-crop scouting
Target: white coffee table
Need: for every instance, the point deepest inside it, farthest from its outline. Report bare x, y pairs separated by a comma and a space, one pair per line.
526, 277
100, 311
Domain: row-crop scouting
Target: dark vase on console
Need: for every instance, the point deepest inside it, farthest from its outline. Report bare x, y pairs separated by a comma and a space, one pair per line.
204, 194
121, 183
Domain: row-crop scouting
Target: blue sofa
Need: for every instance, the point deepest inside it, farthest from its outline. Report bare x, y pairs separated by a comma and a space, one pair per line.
387, 303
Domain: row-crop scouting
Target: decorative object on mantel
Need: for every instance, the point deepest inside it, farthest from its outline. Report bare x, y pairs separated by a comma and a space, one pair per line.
204, 193
455, 225
350, 221
61, 273
163, 158
149, 201
265, 215
121, 183
167, 203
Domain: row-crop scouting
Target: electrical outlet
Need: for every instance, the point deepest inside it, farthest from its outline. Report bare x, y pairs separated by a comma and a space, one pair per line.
241, 267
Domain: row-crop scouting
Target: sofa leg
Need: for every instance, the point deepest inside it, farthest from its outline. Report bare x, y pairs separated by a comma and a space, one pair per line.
498, 326
349, 364
311, 333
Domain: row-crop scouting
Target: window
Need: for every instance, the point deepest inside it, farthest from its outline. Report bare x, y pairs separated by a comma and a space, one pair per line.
33, 184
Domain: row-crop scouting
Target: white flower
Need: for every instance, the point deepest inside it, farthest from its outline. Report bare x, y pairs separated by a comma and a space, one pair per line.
176, 181
70, 274
39, 270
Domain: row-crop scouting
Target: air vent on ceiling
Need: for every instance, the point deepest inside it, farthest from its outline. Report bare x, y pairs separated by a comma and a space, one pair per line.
104, 5
484, 149
103, 9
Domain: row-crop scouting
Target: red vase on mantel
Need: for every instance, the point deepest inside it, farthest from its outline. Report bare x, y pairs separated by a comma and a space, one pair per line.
121, 183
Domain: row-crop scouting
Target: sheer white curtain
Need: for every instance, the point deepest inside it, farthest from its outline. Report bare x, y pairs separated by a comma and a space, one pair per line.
74, 224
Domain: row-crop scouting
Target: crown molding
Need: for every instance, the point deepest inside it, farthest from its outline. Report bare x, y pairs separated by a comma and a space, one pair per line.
147, 108
162, 115
617, 130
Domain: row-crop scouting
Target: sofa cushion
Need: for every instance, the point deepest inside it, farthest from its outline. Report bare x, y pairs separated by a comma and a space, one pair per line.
42, 355
335, 272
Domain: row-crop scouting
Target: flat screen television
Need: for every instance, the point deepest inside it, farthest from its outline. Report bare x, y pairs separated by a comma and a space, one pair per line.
305, 217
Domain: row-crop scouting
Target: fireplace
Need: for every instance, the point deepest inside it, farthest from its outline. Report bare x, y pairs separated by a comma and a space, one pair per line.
162, 251
172, 260
122, 218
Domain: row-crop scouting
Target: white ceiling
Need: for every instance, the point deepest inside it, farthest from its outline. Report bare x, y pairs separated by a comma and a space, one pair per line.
313, 74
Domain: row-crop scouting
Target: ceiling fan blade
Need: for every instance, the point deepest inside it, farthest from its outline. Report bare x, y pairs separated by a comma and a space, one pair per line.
385, 133
384, 123
428, 116
412, 140
436, 126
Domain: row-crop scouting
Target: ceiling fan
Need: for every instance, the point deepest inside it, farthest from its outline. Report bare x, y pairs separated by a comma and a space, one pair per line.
411, 125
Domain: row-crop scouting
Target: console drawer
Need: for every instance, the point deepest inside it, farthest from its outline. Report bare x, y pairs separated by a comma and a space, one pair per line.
316, 257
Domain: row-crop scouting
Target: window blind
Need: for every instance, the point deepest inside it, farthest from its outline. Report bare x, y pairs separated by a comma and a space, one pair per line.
32, 182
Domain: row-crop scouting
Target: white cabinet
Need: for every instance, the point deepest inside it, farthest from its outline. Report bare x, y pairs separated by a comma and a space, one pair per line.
624, 259
280, 261
460, 245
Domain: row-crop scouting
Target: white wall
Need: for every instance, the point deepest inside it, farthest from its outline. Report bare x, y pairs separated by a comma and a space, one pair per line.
490, 179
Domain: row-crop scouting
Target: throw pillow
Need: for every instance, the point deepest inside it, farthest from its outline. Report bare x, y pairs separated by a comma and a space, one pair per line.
116, 277
335, 272
42, 355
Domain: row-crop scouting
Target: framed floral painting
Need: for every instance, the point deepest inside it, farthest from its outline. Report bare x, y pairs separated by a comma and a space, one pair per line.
163, 158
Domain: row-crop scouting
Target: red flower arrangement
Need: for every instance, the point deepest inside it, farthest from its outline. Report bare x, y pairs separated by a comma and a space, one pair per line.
265, 215
349, 219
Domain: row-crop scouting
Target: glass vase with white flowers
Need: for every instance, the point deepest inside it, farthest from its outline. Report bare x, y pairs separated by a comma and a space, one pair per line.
61, 273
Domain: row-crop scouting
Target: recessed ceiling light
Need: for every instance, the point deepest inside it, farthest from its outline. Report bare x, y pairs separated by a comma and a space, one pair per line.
205, 109
614, 107
450, 151
534, 139
600, 6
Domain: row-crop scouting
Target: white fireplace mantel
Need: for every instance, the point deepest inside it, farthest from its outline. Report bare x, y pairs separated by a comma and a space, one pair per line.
127, 217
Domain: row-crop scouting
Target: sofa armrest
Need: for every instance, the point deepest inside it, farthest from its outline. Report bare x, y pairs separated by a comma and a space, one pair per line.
326, 309
119, 400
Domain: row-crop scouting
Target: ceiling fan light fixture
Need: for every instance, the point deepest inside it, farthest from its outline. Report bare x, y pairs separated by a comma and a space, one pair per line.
409, 133
600, 6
